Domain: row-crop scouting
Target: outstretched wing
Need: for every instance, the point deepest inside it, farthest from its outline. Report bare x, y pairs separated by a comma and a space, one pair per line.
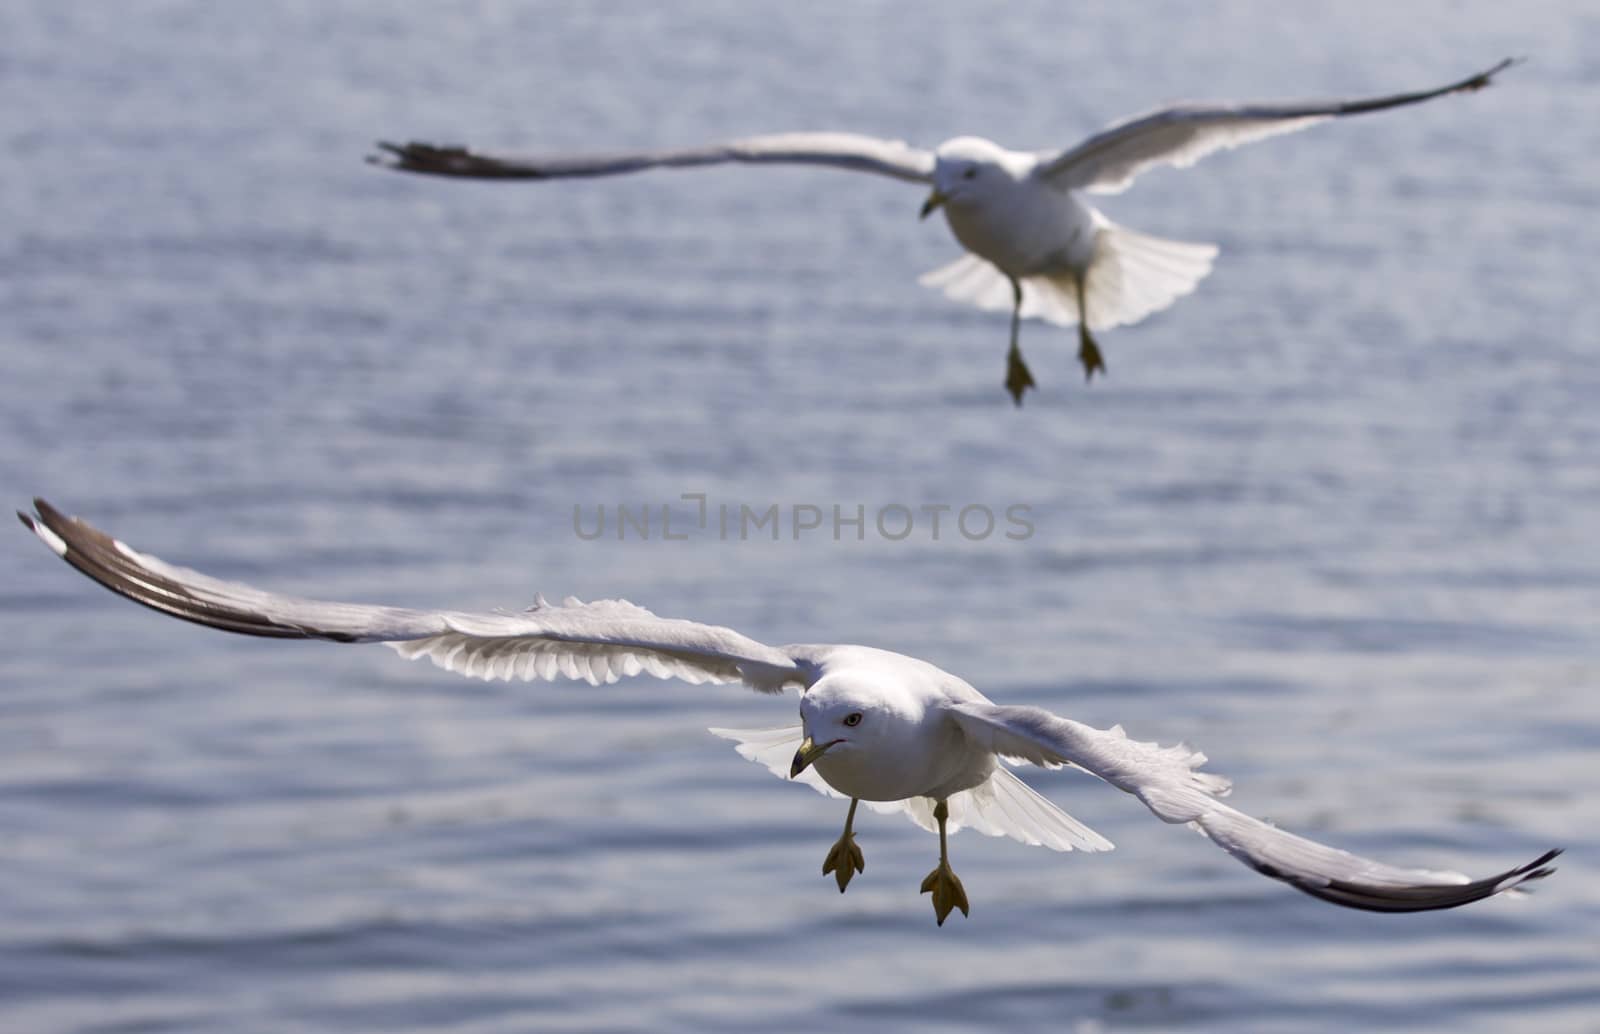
1183, 134
1168, 781
598, 642
841, 150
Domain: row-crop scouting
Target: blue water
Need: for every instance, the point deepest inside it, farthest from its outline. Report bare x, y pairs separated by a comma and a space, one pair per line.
1332, 518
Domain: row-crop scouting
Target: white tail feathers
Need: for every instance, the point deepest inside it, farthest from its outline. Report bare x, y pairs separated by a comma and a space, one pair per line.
1004, 806
774, 750
1134, 274
1131, 275
973, 280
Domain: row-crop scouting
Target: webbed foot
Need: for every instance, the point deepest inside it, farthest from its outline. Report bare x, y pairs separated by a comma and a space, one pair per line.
1089, 354
844, 860
1018, 377
947, 892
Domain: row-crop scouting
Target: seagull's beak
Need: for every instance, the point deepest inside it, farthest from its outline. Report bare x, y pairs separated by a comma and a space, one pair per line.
934, 201
808, 753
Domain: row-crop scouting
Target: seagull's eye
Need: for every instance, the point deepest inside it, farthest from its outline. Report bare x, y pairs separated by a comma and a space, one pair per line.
971, 173
853, 719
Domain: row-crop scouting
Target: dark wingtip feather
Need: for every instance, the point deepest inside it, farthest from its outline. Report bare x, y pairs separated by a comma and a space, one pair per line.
449, 160
1484, 78
392, 160
1540, 867
51, 517
107, 561
1423, 897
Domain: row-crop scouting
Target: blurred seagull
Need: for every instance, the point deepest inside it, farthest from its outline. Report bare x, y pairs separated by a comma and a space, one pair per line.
1034, 244
880, 727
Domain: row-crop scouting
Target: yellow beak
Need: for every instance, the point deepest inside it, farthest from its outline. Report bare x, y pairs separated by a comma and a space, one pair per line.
808, 753
934, 201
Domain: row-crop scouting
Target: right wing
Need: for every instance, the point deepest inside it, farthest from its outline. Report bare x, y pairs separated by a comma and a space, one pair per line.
841, 150
1184, 133
598, 642
1169, 782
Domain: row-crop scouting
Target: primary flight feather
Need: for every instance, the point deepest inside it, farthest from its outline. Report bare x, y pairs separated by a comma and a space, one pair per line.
1034, 244
875, 726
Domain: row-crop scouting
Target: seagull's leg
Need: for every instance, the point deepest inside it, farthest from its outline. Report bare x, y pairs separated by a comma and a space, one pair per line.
942, 882
844, 859
1088, 351
1018, 377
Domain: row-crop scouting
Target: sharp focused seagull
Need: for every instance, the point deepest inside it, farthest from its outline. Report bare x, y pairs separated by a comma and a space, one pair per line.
880, 727
1034, 244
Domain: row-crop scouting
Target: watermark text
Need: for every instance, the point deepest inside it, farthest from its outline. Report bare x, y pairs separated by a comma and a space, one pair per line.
696, 516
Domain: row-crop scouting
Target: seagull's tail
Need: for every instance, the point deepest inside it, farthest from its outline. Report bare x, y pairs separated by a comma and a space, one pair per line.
1131, 275
975, 281
1134, 274
1005, 806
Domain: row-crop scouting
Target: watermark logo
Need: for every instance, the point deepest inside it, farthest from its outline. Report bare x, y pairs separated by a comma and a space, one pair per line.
695, 516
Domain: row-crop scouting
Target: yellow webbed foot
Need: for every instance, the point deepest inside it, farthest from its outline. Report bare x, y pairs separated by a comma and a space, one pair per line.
844, 861
1089, 354
947, 892
1018, 377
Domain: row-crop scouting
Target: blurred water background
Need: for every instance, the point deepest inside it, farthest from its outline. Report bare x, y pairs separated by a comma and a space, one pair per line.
1332, 518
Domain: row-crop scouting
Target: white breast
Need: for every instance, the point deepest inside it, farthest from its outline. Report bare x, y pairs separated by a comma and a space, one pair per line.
924, 757
1026, 228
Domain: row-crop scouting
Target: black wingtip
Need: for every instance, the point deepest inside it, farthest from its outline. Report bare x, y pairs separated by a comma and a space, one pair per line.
49, 526
41, 516
448, 160
1484, 78
47, 515
1421, 897
385, 161
1540, 867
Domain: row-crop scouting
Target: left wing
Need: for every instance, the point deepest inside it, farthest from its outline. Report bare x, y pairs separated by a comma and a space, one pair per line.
597, 642
1183, 134
1168, 781
853, 151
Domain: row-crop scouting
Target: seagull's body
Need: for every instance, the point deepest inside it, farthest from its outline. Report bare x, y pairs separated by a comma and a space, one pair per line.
1034, 244
914, 752
875, 726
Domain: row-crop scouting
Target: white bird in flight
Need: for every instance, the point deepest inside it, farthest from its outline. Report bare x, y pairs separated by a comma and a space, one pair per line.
880, 727
1034, 244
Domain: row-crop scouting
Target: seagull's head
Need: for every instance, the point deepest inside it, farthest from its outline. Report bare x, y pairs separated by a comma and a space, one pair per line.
969, 169
840, 716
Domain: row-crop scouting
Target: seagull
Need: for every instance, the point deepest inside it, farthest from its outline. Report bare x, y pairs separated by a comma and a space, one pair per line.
878, 727
1034, 244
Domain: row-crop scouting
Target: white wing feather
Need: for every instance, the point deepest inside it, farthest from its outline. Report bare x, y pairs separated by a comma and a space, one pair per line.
1184, 133
1168, 781
596, 642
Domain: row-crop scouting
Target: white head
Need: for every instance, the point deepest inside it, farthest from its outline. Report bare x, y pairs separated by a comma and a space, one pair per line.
970, 169
845, 716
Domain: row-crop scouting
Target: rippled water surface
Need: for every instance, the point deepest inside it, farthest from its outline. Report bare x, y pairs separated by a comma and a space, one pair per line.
1332, 518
